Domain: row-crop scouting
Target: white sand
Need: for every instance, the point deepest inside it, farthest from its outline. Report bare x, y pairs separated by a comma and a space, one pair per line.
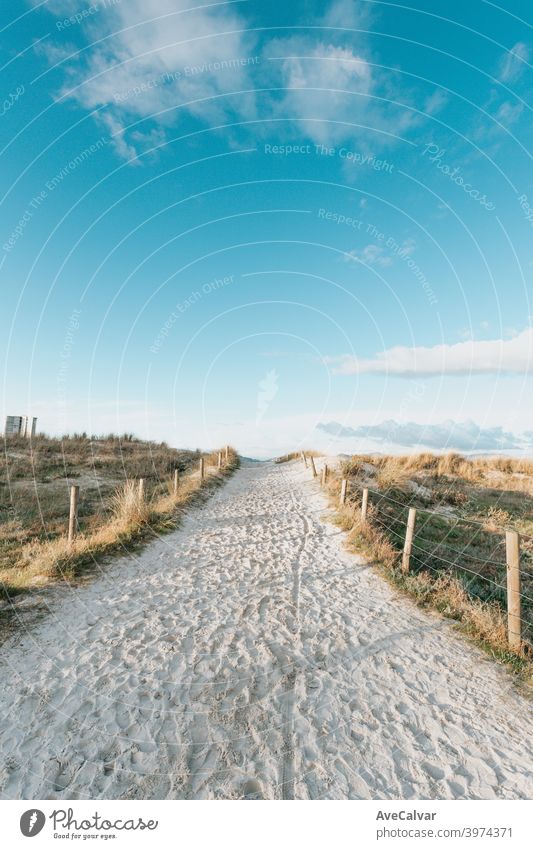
247, 653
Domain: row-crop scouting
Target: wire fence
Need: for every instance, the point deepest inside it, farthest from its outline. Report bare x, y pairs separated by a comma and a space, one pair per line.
493, 564
137, 487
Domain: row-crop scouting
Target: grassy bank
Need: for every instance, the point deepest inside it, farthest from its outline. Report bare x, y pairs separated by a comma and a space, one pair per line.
458, 559
34, 501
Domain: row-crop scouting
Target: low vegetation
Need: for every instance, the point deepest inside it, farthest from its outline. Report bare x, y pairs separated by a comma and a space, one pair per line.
34, 501
457, 563
296, 455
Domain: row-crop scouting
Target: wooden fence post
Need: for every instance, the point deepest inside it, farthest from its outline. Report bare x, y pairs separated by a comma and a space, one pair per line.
514, 630
313, 467
364, 506
342, 497
73, 514
304, 458
411, 520
202, 469
176, 481
324, 475
141, 490
220, 459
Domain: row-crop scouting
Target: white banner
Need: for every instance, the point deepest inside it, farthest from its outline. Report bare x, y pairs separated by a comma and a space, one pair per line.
232, 825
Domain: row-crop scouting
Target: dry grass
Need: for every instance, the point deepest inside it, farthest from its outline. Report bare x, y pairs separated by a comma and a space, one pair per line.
35, 478
389, 478
499, 472
128, 521
296, 455
457, 567
128, 505
44, 458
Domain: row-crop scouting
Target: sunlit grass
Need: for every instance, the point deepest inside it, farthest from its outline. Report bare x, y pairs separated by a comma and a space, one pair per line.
458, 562
130, 519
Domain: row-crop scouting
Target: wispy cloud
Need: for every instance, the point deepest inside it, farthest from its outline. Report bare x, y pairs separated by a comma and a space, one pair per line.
151, 62
374, 254
460, 436
370, 255
509, 113
325, 87
151, 57
492, 356
514, 62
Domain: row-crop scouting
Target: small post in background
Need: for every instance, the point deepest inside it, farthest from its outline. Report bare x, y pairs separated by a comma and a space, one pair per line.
364, 506
227, 453
73, 513
141, 490
514, 630
176, 481
220, 459
408, 544
202, 469
342, 497
304, 458
313, 467
324, 475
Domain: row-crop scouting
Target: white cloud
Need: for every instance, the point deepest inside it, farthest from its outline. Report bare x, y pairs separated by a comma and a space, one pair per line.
346, 14
370, 255
316, 78
447, 435
154, 55
512, 356
373, 254
152, 61
514, 62
337, 94
116, 131
407, 247
436, 102
509, 113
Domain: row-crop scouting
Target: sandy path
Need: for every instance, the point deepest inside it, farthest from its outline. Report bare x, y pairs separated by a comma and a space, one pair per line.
247, 653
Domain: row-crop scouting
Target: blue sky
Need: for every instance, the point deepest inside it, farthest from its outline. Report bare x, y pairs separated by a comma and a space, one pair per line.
279, 225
